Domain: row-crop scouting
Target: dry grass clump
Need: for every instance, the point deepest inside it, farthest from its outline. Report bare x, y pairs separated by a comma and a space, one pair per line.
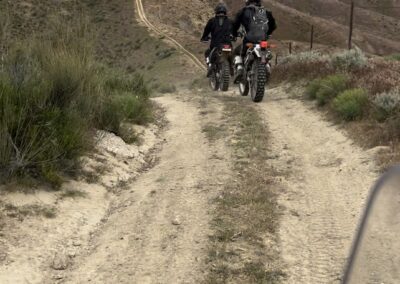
247, 213
304, 65
53, 94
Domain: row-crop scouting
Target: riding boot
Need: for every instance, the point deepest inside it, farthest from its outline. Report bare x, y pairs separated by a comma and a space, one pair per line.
209, 65
239, 69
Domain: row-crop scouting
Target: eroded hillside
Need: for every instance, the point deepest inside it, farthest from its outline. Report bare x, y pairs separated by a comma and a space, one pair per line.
377, 28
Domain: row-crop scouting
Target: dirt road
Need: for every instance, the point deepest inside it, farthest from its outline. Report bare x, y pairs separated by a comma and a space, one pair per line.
161, 233
326, 188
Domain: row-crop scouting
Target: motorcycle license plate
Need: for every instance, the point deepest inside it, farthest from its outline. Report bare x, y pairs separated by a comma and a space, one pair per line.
226, 49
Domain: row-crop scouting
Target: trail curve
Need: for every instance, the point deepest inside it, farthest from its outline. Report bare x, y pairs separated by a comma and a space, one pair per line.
142, 17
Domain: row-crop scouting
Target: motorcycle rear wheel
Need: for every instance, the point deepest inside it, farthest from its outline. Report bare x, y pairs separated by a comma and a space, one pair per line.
259, 81
225, 76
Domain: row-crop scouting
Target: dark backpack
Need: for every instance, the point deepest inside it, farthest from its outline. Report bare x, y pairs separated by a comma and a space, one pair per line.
258, 29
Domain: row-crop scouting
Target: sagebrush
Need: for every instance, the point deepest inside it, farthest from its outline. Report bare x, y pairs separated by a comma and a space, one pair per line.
387, 104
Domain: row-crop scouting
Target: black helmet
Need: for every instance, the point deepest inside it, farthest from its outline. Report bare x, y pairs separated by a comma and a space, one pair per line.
221, 9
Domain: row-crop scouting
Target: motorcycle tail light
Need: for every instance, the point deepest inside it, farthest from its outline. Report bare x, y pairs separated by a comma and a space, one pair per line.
264, 44
226, 47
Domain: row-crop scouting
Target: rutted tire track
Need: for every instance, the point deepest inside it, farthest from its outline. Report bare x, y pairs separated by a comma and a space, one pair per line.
330, 178
160, 234
143, 18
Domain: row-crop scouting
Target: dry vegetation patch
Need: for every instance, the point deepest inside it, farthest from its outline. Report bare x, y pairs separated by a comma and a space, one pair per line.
244, 247
361, 91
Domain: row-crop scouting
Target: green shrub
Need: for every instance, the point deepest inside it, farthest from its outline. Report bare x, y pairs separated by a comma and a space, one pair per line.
51, 98
330, 87
313, 88
351, 104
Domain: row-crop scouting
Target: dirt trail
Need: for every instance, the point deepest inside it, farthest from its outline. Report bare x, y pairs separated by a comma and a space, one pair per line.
325, 190
142, 17
160, 233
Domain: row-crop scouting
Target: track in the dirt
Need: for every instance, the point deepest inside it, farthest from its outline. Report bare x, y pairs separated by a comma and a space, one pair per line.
160, 233
328, 181
152, 27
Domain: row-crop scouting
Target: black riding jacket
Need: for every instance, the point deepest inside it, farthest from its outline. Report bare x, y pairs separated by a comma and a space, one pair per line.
244, 17
220, 28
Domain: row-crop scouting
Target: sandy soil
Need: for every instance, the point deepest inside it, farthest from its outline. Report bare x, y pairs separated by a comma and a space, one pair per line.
160, 234
36, 249
327, 186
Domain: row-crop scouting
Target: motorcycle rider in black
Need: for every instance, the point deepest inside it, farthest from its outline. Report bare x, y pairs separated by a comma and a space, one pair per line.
245, 18
220, 28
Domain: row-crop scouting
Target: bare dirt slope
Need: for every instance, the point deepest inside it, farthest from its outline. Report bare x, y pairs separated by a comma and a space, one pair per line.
376, 24
42, 231
160, 234
329, 181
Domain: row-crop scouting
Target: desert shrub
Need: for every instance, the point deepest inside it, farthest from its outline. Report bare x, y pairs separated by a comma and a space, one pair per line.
387, 104
349, 60
303, 57
301, 66
351, 104
330, 87
313, 88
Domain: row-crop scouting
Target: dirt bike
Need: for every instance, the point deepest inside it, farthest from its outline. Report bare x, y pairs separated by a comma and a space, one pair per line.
375, 255
221, 67
257, 70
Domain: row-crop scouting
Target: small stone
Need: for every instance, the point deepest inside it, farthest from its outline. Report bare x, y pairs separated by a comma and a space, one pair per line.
72, 253
176, 222
60, 261
58, 276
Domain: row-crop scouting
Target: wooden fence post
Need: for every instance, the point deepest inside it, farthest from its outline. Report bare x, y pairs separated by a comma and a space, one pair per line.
312, 37
351, 24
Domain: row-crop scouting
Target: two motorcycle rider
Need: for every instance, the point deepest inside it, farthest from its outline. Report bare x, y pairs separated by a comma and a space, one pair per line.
258, 24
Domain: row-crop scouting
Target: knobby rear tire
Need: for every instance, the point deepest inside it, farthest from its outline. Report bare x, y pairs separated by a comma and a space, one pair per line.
259, 82
225, 76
